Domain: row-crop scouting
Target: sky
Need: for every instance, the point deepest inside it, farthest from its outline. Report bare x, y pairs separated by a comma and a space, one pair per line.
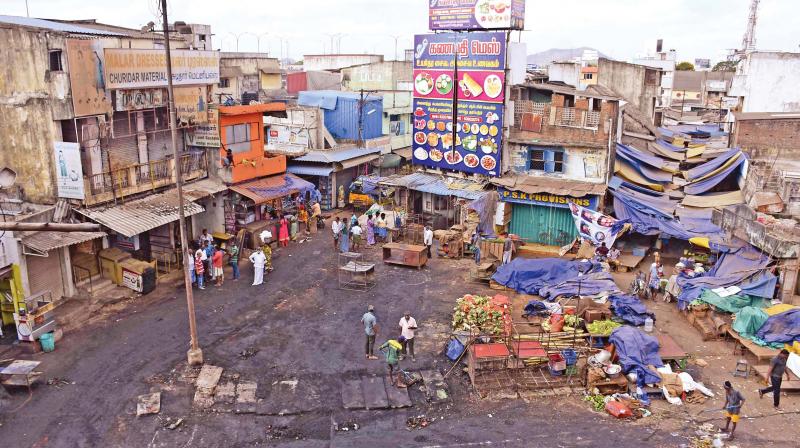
621, 29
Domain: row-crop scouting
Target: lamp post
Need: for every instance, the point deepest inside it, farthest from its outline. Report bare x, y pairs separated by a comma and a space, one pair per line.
259, 42
195, 354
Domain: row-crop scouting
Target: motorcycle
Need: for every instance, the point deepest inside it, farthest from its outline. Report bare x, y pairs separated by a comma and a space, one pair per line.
639, 287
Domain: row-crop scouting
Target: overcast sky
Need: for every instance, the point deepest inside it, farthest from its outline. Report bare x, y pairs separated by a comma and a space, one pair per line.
619, 28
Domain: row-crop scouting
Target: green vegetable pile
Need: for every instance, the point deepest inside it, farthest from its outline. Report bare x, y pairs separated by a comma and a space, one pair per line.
602, 327
477, 314
597, 401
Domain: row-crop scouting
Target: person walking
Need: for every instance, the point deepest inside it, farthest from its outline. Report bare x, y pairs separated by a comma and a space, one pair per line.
216, 261
408, 326
427, 239
370, 231
476, 246
508, 249
356, 231
336, 228
233, 259
370, 322
258, 259
777, 368
190, 255
733, 405
391, 349
344, 237
302, 217
654, 280
199, 267
283, 232
209, 269
316, 212
380, 224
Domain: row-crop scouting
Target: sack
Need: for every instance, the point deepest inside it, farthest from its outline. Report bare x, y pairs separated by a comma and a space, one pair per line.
320, 223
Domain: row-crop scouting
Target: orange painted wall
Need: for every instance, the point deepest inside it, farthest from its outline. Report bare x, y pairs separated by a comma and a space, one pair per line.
252, 164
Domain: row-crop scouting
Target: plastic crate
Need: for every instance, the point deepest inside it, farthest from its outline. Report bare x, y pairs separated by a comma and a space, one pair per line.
555, 372
556, 362
570, 356
571, 370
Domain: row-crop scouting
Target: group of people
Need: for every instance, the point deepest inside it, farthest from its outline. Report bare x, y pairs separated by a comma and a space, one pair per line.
394, 349
206, 260
509, 247
348, 233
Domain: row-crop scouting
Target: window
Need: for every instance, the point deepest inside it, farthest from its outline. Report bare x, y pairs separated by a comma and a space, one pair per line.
587, 76
224, 82
55, 61
237, 138
549, 160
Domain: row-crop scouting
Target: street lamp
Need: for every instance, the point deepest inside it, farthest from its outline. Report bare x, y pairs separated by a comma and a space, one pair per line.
259, 42
195, 354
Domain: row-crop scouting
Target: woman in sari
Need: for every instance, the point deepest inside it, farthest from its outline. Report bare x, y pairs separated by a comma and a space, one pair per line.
268, 254
344, 238
283, 233
370, 231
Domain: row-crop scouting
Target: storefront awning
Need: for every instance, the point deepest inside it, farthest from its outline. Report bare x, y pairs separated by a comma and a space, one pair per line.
310, 170
272, 187
203, 188
48, 240
358, 161
540, 184
135, 217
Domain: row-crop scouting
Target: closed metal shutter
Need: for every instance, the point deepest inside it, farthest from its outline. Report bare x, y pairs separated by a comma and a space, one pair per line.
551, 226
44, 274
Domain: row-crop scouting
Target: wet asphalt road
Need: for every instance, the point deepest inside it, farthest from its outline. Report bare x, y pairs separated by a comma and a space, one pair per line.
304, 329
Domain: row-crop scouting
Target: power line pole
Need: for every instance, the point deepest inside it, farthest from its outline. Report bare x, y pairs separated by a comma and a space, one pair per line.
195, 354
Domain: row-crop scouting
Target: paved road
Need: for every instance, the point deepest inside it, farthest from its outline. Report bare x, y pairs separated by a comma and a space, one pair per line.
305, 330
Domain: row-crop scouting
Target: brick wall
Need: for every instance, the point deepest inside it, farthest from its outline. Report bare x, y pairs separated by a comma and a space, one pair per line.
763, 138
571, 136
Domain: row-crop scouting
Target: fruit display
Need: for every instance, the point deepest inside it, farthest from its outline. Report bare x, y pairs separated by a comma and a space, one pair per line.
477, 314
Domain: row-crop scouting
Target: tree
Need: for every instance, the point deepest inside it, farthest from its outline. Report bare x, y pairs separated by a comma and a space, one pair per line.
685, 66
724, 66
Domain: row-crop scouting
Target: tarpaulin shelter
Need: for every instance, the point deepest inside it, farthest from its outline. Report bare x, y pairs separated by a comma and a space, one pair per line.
781, 328
637, 351
553, 277
731, 304
749, 320
630, 309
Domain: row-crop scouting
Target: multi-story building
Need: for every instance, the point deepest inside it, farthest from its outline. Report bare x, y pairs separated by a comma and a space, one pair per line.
639, 85
766, 81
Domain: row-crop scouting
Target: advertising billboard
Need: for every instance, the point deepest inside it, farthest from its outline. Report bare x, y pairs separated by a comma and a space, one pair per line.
89, 95
476, 15
478, 82
135, 69
69, 171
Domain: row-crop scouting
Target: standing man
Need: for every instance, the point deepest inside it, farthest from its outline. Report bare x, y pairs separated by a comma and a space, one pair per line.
336, 228
202, 255
199, 267
233, 259
205, 237
356, 232
316, 212
192, 275
508, 249
216, 261
371, 329
391, 350
427, 239
733, 404
777, 368
208, 261
476, 246
258, 259
407, 327
302, 218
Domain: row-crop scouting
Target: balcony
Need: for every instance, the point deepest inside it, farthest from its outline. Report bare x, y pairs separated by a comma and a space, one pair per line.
543, 122
139, 178
557, 116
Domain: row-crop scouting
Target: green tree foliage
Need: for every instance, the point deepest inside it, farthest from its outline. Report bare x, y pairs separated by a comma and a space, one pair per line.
685, 66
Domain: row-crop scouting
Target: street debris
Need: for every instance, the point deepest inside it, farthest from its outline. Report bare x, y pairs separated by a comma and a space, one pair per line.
149, 404
59, 382
284, 432
206, 383
248, 353
172, 424
418, 422
349, 425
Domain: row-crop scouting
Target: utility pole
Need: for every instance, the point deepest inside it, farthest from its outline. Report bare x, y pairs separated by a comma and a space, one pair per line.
455, 98
195, 354
395, 37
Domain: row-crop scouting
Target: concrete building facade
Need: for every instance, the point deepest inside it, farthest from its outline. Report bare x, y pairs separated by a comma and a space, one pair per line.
639, 85
767, 82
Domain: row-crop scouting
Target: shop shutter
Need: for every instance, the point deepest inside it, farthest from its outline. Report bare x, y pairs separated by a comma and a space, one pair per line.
551, 226
44, 273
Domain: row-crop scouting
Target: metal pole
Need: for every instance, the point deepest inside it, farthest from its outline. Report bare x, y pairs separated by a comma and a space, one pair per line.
195, 354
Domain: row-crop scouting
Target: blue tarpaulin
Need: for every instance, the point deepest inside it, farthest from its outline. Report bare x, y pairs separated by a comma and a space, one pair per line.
781, 328
636, 351
744, 267
630, 309
552, 277
707, 167
703, 186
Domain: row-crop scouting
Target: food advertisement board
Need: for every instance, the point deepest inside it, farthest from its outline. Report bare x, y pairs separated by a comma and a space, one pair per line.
480, 86
476, 14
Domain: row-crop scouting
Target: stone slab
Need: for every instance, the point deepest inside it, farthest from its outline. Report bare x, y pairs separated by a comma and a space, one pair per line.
225, 392
352, 395
208, 378
246, 392
149, 404
374, 393
398, 396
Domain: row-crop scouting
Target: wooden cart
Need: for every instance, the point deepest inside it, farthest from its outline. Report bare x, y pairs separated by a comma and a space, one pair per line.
405, 254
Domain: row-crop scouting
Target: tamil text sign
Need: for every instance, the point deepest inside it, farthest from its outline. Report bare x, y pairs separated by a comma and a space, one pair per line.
480, 86
206, 135
133, 69
69, 173
476, 14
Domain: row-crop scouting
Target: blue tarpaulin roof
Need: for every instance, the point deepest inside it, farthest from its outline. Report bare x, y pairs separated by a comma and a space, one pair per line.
310, 170
273, 187
783, 328
636, 351
554, 277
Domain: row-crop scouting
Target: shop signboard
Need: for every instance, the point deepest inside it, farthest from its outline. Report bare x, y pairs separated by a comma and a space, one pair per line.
191, 106
69, 172
595, 226
138, 99
132, 280
480, 86
89, 95
287, 135
207, 134
476, 15
547, 199
134, 69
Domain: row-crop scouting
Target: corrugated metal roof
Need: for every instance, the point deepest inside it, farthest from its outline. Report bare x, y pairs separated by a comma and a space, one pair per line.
252, 108
327, 99
203, 188
359, 160
337, 155
429, 183
272, 187
48, 240
141, 215
551, 185
56, 26
310, 170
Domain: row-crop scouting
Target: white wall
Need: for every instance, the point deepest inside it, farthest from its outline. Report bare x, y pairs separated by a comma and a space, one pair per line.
566, 72
337, 61
667, 78
768, 82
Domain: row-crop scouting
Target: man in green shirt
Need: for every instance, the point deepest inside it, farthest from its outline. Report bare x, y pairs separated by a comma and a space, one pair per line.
233, 253
391, 349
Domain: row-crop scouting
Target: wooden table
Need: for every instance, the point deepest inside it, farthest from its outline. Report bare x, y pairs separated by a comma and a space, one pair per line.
19, 373
741, 343
405, 254
669, 350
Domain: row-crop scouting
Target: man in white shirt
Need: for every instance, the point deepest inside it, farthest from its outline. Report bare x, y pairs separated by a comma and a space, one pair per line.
408, 325
259, 260
427, 239
356, 232
336, 228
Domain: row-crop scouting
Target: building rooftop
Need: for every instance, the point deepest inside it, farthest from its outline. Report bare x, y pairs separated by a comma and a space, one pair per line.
57, 26
744, 116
